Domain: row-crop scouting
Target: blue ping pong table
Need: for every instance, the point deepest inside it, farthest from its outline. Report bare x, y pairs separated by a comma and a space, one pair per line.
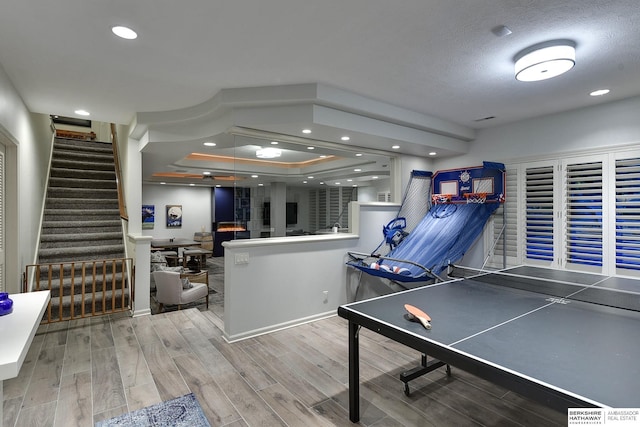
566, 339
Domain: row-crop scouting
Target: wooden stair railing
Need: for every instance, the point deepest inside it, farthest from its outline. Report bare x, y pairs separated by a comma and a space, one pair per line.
116, 159
82, 289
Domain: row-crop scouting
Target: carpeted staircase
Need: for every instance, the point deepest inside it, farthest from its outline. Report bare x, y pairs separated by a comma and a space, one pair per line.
81, 223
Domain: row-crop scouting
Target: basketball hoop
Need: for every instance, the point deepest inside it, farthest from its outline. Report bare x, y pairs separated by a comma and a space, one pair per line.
440, 198
476, 197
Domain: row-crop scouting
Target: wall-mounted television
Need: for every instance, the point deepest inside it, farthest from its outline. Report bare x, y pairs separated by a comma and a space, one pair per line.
291, 213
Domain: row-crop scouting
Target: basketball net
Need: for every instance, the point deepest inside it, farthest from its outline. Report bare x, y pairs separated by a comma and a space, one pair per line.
476, 197
440, 198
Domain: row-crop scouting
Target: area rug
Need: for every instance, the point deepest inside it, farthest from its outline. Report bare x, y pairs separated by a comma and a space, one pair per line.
184, 411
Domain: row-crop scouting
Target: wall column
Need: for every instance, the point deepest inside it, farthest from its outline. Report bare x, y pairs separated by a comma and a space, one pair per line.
278, 198
142, 303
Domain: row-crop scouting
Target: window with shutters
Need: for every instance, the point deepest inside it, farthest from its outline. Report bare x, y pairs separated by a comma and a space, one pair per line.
539, 214
384, 197
583, 214
579, 213
505, 238
330, 206
313, 210
627, 223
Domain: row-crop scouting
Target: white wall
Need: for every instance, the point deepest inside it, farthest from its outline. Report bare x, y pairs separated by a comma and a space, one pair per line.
284, 281
196, 209
370, 192
606, 125
408, 164
28, 146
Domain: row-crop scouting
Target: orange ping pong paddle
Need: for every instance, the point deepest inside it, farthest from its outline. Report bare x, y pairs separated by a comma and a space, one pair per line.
421, 316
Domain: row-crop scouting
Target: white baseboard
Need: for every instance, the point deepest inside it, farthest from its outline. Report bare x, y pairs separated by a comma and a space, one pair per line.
142, 312
277, 327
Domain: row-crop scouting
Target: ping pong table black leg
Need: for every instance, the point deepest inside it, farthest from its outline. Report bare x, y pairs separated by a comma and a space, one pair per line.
354, 373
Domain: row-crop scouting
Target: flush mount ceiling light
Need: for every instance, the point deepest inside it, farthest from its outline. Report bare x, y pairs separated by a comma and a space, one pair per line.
268, 153
545, 60
82, 112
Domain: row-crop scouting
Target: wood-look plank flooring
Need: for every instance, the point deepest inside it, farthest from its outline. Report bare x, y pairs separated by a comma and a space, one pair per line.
79, 372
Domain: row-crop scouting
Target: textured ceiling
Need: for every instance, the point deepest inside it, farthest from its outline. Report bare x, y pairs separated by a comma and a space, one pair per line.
436, 57
428, 63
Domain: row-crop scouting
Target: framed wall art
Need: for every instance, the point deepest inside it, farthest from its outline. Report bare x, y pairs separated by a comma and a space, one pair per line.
174, 216
148, 216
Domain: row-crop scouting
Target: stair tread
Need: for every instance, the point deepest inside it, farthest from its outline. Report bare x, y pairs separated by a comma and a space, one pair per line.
74, 223
82, 217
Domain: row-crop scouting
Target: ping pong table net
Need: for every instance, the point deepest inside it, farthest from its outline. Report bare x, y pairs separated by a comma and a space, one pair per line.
601, 292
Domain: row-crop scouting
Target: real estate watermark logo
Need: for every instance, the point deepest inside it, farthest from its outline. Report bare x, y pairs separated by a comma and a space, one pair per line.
626, 417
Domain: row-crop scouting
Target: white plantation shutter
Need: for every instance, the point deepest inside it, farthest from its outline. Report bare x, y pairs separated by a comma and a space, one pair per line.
327, 205
510, 233
384, 197
313, 210
539, 214
583, 214
628, 215
334, 206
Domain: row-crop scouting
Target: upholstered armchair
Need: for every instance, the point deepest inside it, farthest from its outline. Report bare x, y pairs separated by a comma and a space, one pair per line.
172, 289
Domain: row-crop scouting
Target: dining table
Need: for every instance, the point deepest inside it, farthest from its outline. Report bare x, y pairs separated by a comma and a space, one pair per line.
174, 244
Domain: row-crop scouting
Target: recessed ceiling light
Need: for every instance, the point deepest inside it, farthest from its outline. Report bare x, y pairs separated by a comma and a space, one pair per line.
600, 92
309, 177
306, 130
274, 142
354, 185
358, 154
206, 173
357, 170
323, 156
374, 177
261, 185
209, 144
218, 185
304, 182
162, 183
349, 180
192, 185
345, 138
254, 176
321, 182
433, 153
337, 183
124, 32
82, 112
311, 148
395, 147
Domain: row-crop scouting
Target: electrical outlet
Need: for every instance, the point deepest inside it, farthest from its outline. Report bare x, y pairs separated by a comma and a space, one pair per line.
241, 258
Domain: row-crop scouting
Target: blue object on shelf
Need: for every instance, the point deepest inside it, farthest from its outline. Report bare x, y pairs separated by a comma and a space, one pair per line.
6, 304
